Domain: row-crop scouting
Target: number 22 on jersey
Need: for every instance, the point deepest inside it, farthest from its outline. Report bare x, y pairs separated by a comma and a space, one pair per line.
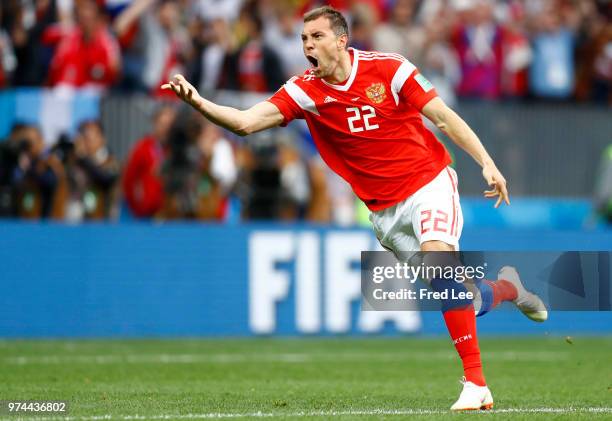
360, 118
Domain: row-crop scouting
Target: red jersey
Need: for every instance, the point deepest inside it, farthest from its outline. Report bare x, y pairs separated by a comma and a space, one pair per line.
78, 62
142, 185
369, 129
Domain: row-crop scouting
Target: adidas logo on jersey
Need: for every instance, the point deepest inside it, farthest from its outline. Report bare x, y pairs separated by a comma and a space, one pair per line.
329, 99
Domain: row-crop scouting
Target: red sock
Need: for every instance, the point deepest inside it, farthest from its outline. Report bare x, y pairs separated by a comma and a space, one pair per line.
461, 325
502, 291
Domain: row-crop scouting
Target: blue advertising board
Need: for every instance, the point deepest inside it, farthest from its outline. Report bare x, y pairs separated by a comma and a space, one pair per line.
141, 279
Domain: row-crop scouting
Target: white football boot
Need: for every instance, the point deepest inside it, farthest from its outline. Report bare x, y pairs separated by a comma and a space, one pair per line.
529, 303
473, 398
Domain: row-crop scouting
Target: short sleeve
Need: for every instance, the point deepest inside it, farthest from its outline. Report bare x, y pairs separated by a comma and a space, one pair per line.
287, 106
409, 86
417, 90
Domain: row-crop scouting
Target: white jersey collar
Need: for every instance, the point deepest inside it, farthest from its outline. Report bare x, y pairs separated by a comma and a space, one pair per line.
347, 85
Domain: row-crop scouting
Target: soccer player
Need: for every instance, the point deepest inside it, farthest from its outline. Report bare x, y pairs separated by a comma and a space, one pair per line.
364, 110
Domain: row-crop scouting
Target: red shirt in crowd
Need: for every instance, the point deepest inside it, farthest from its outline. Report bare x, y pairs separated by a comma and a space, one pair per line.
251, 68
142, 185
481, 61
82, 62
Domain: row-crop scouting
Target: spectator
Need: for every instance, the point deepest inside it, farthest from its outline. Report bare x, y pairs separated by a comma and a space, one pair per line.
217, 45
26, 22
274, 179
226, 10
11, 152
478, 42
86, 54
362, 26
440, 64
8, 61
142, 183
295, 182
39, 178
92, 174
594, 78
199, 171
602, 65
180, 169
162, 43
401, 34
517, 53
259, 182
255, 67
552, 70
218, 172
284, 37
431, 10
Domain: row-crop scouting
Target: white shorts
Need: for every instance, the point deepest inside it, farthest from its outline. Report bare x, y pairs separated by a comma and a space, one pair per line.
432, 213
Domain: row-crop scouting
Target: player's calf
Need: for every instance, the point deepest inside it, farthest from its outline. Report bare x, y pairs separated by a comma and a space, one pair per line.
460, 321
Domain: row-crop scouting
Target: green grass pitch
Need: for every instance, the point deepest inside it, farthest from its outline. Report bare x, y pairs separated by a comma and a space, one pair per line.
344, 378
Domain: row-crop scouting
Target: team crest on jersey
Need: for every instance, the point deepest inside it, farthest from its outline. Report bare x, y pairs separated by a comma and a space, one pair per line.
376, 92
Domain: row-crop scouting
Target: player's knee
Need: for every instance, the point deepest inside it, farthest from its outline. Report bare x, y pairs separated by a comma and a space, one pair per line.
436, 245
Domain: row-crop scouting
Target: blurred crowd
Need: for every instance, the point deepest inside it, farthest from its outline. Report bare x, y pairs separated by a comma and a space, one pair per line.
184, 168
513, 50
550, 49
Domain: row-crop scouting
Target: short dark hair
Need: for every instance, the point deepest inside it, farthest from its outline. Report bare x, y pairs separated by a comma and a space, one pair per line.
337, 22
90, 122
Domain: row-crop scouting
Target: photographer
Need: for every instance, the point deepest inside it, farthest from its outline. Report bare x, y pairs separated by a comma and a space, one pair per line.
179, 174
142, 184
36, 180
218, 171
10, 152
92, 174
199, 171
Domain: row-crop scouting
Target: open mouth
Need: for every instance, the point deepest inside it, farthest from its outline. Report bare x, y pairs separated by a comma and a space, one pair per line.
313, 61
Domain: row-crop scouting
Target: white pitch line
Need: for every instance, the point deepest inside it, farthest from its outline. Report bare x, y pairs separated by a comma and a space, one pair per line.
365, 412
298, 358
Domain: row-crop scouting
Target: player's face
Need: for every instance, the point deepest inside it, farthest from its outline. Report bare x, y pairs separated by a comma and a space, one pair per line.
321, 46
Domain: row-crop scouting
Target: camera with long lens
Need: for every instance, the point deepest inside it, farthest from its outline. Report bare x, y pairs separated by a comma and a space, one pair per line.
181, 168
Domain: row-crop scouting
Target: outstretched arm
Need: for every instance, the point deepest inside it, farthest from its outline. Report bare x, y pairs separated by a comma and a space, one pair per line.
450, 123
261, 116
130, 14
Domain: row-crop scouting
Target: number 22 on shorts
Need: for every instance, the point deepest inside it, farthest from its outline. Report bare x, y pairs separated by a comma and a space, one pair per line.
439, 223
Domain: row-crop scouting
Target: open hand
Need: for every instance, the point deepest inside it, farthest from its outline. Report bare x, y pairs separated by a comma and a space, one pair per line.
184, 90
497, 182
